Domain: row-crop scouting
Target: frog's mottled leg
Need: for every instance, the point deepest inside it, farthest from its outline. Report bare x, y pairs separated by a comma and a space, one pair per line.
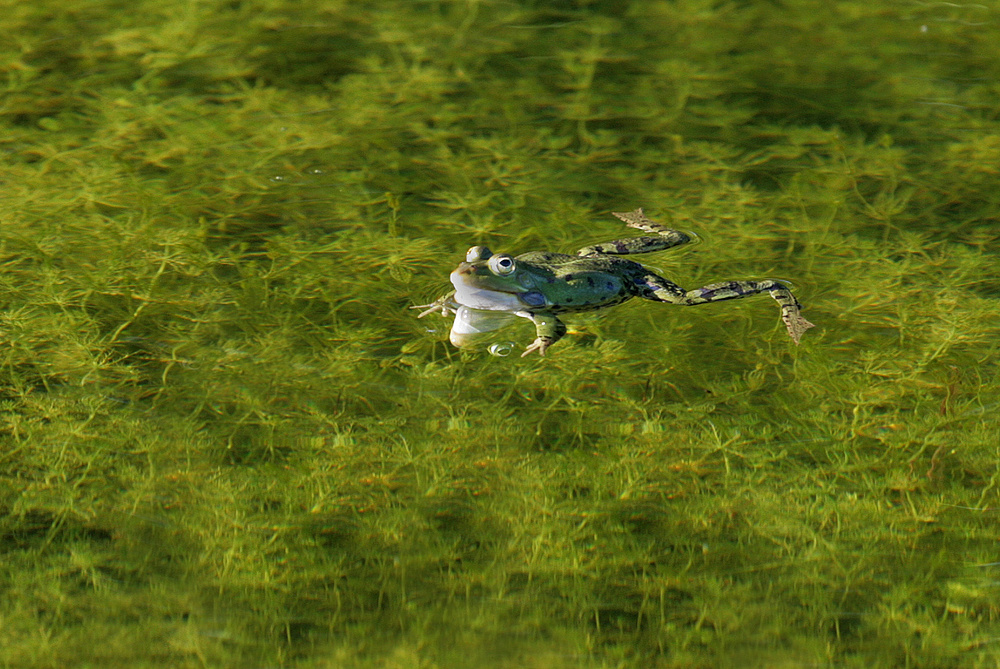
666, 238
548, 330
658, 288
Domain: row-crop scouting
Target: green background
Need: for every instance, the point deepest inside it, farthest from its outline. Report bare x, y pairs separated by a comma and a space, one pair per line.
226, 441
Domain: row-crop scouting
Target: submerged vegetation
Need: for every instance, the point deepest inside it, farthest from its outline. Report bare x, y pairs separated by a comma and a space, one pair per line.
225, 441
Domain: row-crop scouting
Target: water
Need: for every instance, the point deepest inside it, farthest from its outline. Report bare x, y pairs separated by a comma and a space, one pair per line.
227, 441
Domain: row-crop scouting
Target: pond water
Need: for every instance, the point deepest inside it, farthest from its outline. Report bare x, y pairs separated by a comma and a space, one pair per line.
228, 440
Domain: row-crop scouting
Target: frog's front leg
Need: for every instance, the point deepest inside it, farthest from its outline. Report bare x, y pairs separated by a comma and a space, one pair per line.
548, 330
657, 288
445, 304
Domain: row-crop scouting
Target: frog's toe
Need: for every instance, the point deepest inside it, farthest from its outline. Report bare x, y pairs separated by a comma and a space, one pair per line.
427, 309
442, 304
541, 344
797, 325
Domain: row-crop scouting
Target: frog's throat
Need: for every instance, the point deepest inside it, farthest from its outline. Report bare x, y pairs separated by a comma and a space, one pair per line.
481, 298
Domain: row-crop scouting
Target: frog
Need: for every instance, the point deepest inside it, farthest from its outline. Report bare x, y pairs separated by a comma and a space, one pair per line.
542, 285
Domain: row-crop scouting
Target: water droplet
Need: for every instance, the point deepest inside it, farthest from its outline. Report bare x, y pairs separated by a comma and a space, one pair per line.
502, 350
277, 179
317, 171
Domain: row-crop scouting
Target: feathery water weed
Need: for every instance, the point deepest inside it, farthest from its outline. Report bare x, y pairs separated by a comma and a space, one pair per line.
225, 441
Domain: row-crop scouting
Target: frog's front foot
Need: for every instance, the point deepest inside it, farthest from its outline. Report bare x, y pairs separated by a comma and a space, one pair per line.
541, 344
548, 330
446, 305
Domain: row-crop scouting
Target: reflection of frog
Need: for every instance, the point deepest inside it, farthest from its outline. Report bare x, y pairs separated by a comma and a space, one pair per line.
539, 285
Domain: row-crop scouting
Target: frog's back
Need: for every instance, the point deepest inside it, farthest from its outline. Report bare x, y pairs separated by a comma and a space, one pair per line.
545, 258
561, 262
579, 283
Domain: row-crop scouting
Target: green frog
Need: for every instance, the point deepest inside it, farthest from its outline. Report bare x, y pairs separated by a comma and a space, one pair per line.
540, 285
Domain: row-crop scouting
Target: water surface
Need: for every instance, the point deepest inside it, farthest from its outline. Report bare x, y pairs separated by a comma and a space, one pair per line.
227, 441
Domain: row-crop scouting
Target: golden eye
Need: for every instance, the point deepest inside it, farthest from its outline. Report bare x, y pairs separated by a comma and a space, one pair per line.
477, 253
502, 265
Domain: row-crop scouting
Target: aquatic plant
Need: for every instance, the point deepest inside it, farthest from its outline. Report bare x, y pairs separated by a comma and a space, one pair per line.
227, 442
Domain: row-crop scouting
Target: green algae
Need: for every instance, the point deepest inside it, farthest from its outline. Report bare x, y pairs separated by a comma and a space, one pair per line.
227, 442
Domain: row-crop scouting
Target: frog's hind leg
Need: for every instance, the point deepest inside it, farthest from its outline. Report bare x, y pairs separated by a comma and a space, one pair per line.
666, 238
657, 288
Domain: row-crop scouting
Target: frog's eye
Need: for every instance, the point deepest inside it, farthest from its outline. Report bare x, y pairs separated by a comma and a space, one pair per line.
502, 265
477, 253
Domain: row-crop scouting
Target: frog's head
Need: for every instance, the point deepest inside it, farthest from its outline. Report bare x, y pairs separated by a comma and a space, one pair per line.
495, 282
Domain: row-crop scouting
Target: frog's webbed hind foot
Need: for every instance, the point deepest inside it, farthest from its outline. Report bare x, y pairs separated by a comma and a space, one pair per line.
662, 290
790, 307
790, 314
665, 239
637, 219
